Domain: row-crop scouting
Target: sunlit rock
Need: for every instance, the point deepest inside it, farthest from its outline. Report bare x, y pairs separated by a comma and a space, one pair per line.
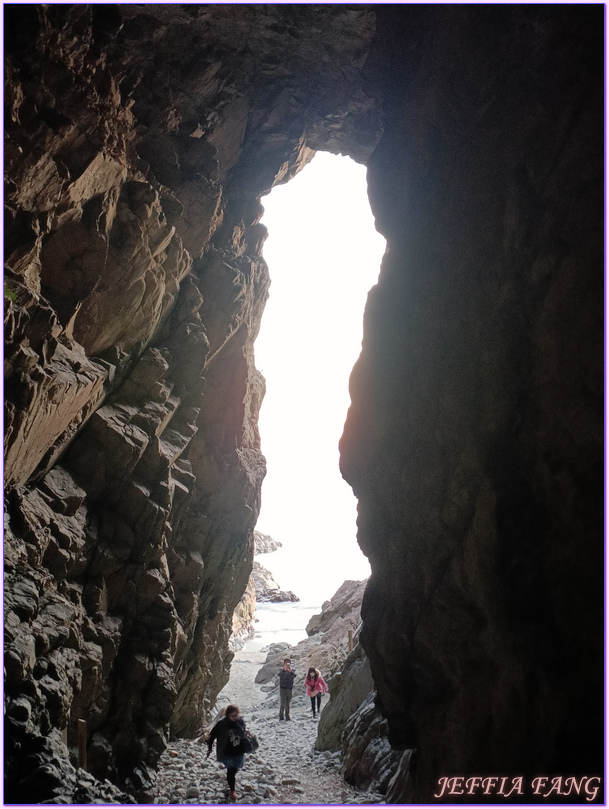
263, 543
328, 647
139, 140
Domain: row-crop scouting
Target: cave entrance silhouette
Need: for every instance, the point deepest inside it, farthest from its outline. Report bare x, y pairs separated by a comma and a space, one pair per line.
324, 255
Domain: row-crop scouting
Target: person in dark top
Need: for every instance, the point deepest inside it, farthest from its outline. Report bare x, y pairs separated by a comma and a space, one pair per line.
229, 735
286, 683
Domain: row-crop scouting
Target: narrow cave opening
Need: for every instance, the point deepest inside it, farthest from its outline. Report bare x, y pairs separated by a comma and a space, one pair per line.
324, 255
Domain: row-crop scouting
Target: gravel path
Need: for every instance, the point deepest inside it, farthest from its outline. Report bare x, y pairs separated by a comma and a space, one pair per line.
284, 770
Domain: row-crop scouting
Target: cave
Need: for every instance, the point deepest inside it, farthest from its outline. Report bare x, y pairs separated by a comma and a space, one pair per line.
139, 140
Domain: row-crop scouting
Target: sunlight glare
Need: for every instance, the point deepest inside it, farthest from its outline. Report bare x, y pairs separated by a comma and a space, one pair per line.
324, 255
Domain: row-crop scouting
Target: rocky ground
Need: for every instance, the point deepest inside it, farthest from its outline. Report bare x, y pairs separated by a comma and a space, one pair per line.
284, 770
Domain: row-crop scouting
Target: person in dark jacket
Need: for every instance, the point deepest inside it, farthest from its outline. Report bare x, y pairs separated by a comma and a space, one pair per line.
286, 683
229, 735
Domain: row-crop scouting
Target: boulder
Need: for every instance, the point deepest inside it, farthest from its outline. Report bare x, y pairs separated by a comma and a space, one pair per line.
341, 613
267, 589
263, 543
326, 650
350, 687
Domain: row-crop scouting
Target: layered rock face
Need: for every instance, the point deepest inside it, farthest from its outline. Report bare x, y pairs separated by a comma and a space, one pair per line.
350, 687
139, 140
265, 586
261, 587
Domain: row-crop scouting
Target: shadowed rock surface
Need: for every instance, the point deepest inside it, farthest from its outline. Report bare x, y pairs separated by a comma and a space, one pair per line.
350, 687
138, 142
473, 443
261, 587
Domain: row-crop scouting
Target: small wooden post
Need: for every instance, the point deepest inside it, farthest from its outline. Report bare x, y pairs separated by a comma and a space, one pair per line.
350, 640
82, 744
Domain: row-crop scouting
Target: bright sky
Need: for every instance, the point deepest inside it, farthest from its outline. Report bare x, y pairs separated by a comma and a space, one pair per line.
323, 255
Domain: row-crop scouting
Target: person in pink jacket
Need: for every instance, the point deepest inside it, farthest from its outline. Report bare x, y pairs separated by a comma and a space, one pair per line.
316, 686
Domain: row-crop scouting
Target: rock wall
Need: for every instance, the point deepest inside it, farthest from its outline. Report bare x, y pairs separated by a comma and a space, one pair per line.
261, 587
350, 688
243, 618
368, 758
474, 442
351, 723
139, 140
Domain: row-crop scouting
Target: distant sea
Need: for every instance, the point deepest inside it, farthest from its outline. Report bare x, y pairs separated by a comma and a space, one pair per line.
281, 623
274, 623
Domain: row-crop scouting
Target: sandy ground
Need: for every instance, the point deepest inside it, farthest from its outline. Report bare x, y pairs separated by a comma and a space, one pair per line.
241, 689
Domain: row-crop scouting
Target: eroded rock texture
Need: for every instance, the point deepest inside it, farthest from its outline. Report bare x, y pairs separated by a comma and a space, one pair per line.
350, 687
475, 439
261, 586
139, 139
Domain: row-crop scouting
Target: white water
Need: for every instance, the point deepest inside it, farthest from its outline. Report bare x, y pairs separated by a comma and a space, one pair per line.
274, 623
281, 623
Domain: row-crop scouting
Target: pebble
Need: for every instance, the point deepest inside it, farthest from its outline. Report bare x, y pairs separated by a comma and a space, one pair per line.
286, 769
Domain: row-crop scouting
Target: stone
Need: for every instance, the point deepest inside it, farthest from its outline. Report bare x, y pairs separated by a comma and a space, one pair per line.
327, 650
343, 608
134, 288
261, 587
350, 688
263, 543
